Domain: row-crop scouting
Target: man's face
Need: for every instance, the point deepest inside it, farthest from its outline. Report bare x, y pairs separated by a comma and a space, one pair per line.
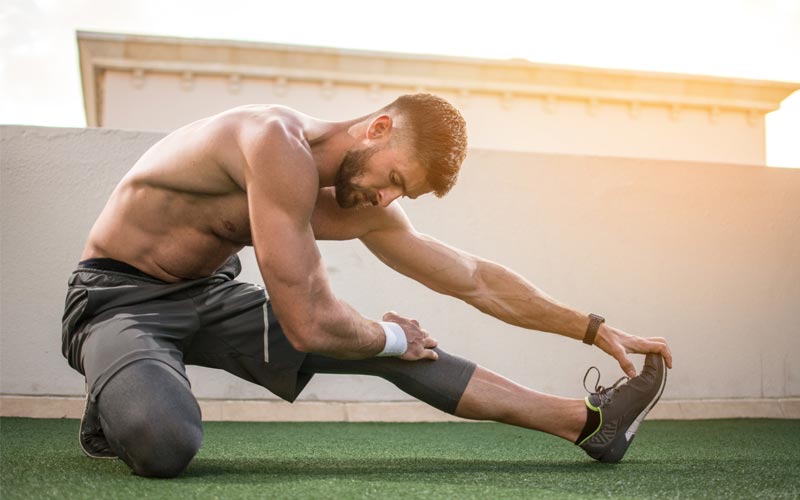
348, 193
378, 175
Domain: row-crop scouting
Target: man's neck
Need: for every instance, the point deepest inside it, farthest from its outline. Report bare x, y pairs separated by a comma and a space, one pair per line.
330, 142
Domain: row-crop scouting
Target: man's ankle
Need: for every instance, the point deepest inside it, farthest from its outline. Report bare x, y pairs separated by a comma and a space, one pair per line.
593, 421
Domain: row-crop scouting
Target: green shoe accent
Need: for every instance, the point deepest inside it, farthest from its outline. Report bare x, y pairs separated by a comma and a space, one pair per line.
598, 410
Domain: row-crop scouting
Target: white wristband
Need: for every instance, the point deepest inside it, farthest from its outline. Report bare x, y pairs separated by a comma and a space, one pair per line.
396, 343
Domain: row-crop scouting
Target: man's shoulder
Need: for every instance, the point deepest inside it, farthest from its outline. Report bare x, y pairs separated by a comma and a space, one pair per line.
274, 163
270, 135
263, 122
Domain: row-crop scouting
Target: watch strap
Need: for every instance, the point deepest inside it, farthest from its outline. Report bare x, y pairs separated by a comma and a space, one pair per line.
591, 331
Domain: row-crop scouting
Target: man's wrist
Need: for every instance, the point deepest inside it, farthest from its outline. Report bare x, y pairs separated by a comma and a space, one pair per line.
396, 343
591, 331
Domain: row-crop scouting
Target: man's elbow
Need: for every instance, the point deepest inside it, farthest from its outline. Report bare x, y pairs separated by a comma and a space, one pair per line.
303, 340
308, 326
475, 288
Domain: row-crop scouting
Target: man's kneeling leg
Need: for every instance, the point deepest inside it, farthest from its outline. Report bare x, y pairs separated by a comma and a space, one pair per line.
150, 418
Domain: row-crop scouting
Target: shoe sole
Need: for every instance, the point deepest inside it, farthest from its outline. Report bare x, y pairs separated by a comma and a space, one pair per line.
86, 452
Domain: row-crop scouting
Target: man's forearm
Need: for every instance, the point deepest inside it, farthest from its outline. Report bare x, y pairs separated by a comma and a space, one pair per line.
509, 297
345, 334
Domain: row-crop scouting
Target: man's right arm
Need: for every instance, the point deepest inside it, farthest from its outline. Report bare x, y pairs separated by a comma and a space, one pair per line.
282, 184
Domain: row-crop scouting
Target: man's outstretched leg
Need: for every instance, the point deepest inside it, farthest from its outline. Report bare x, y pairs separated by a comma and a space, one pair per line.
603, 424
490, 396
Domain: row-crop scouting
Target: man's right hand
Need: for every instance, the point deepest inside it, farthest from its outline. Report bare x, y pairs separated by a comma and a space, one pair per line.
420, 344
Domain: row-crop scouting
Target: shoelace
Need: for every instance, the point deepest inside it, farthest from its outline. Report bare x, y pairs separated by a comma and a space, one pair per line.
605, 393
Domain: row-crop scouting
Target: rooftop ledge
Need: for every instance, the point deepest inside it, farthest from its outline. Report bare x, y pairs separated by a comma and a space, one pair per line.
505, 79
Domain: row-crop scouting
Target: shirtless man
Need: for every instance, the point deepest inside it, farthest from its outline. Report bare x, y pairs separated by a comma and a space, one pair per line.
155, 286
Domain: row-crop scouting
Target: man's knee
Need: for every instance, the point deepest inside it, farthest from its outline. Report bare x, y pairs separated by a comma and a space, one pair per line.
151, 419
439, 383
165, 452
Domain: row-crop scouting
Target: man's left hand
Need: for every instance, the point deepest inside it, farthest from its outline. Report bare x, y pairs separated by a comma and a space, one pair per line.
619, 344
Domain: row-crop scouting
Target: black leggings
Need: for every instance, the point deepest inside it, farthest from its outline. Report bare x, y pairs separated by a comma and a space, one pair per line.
439, 383
152, 420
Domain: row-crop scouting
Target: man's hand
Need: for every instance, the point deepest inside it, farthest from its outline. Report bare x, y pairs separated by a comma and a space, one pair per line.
420, 344
618, 344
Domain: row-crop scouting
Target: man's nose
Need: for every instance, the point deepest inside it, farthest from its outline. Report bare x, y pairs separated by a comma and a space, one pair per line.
387, 196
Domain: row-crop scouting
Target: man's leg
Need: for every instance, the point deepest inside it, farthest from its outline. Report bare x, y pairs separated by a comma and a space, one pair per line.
459, 387
604, 424
150, 418
490, 396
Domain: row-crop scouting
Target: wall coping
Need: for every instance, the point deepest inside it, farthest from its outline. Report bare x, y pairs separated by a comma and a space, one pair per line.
328, 67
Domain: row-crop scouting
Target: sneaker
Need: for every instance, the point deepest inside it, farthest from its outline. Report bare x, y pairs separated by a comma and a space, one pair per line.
622, 407
91, 438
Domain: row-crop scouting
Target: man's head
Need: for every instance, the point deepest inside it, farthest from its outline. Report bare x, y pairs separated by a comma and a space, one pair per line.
413, 146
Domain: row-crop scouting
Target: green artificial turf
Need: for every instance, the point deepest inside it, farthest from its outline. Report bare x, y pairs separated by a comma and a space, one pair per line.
696, 459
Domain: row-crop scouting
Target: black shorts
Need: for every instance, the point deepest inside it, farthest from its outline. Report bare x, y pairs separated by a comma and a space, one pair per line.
113, 318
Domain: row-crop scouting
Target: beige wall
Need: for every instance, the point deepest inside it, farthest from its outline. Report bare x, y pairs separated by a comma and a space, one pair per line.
569, 126
161, 83
703, 254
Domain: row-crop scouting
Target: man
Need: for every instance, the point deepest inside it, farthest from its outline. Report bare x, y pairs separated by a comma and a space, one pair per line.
155, 287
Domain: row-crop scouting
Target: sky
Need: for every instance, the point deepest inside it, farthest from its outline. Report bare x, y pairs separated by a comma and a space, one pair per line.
752, 39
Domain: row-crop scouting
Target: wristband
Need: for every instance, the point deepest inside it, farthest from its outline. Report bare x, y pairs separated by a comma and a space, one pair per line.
396, 343
591, 331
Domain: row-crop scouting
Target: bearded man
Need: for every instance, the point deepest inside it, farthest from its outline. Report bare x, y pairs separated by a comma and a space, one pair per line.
155, 287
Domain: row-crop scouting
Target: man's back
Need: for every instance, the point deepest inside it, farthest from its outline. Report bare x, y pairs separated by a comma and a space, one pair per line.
182, 210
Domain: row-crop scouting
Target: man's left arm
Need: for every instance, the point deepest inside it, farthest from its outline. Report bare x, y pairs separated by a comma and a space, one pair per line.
496, 290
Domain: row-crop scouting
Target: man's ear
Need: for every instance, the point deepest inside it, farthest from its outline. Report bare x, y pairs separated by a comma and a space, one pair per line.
380, 128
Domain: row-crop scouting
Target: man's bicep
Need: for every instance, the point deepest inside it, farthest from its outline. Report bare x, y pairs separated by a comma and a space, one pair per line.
285, 248
434, 264
290, 264
281, 199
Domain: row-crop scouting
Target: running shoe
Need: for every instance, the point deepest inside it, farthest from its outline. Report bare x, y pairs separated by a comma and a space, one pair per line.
621, 408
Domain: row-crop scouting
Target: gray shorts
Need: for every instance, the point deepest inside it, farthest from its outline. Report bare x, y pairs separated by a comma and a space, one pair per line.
113, 318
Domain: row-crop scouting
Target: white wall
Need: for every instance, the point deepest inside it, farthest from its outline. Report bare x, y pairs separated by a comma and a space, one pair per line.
707, 255
165, 102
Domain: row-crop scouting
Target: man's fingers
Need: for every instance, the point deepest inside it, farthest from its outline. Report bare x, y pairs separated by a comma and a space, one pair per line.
389, 316
667, 355
627, 366
659, 345
417, 354
429, 343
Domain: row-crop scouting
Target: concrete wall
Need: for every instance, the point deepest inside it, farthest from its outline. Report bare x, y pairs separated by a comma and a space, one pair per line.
528, 124
706, 255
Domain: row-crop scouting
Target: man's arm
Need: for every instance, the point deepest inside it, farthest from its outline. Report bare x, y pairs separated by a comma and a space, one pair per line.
282, 184
495, 289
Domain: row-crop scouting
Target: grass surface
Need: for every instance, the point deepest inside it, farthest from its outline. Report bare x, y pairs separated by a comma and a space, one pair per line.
701, 459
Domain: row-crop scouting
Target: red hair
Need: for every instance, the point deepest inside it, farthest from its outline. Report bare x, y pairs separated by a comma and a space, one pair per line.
438, 136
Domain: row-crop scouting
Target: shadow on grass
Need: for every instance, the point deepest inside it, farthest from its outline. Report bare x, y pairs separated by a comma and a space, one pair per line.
238, 469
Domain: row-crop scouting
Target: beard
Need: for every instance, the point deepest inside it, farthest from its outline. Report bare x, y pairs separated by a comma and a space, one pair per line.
348, 193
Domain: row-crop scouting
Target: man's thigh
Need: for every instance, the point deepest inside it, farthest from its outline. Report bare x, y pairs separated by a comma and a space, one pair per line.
156, 330
240, 334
